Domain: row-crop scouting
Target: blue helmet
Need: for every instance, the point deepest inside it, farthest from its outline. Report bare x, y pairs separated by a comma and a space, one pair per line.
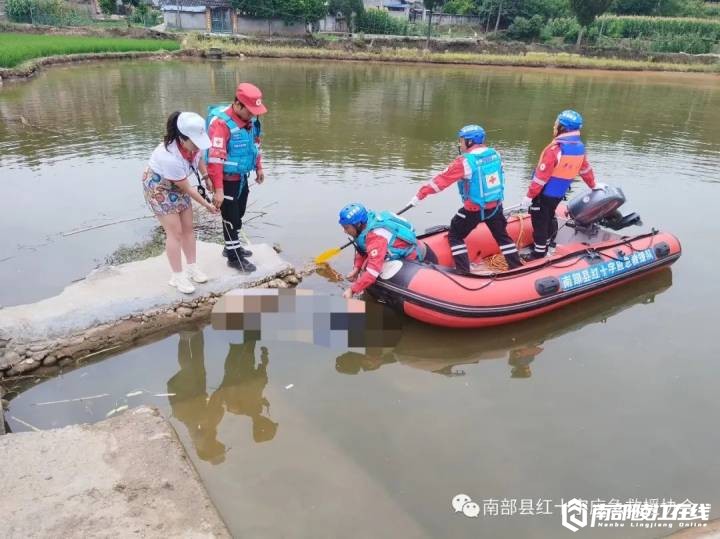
353, 214
473, 133
570, 120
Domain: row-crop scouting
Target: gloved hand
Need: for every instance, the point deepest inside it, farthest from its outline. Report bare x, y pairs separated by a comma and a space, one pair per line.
525, 203
600, 187
414, 201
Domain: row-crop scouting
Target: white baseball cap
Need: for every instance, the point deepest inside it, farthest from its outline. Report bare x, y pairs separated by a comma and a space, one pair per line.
192, 126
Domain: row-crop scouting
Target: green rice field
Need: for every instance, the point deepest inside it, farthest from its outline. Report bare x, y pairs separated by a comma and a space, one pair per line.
18, 48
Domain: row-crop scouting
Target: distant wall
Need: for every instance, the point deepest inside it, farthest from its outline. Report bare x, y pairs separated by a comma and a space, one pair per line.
185, 20
332, 24
402, 15
246, 25
443, 19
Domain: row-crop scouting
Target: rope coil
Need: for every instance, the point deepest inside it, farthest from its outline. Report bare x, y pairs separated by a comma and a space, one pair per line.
497, 261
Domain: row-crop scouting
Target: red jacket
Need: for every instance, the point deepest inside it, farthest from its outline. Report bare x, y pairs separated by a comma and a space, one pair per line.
372, 263
219, 134
456, 171
548, 160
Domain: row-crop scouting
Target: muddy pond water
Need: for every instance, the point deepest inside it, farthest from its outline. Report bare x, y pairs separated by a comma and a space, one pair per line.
613, 398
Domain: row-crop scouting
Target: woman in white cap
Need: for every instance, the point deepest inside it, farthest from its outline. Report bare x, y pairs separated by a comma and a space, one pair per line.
169, 188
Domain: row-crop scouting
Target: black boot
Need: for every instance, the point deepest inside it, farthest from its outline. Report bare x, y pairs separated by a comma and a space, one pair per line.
242, 252
513, 261
241, 264
532, 255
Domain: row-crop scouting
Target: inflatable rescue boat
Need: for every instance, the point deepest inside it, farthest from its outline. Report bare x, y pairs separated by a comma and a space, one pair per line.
590, 257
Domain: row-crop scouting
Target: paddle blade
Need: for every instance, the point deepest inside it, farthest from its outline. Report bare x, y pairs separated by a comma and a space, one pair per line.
327, 255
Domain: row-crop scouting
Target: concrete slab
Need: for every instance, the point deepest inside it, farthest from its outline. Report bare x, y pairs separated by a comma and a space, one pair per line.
113, 292
118, 306
2, 413
125, 476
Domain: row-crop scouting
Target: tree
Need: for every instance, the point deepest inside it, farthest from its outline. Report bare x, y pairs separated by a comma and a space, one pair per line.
430, 5
633, 7
347, 8
288, 10
672, 8
313, 10
586, 11
461, 7
262, 9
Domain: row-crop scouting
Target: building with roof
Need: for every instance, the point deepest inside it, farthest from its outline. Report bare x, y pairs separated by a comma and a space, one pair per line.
202, 15
219, 16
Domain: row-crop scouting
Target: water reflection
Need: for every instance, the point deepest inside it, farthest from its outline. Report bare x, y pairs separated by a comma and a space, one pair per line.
239, 393
382, 112
441, 351
189, 398
241, 390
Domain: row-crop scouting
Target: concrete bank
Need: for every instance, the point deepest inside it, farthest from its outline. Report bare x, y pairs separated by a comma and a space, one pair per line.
116, 306
125, 476
2, 412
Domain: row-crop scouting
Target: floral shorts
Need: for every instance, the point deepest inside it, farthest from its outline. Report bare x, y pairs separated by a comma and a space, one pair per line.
163, 196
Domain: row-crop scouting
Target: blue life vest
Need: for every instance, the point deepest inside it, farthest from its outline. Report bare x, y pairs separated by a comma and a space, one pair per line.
487, 182
572, 155
242, 151
399, 229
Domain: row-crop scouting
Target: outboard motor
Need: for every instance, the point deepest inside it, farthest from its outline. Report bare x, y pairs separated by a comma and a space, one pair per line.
601, 208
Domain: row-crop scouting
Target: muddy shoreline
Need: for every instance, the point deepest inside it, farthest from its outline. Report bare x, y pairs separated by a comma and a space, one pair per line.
31, 68
386, 49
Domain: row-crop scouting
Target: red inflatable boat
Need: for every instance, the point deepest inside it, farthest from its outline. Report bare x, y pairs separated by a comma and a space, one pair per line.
589, 258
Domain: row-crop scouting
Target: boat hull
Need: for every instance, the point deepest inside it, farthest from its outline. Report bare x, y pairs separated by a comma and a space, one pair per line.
582, 266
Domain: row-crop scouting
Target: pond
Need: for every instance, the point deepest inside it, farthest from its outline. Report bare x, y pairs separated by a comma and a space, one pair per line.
614, 397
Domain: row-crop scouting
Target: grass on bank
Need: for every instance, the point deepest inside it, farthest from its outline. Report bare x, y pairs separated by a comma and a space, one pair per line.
18, 48
531, 59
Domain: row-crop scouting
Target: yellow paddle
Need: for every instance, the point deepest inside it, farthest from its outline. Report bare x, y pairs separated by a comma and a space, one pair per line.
323, 257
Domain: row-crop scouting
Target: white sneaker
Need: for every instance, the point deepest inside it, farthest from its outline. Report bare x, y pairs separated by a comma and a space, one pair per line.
180, 281
194, 273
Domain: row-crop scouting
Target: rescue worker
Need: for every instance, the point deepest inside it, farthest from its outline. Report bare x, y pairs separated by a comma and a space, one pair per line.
478, 171
378, 237
560, 163
235, 134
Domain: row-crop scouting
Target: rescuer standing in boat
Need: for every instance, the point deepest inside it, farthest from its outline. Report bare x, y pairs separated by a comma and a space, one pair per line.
481, 182
560, 163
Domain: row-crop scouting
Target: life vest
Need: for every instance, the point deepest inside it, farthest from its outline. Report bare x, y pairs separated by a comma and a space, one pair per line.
572, 155
242, 151
487, 181
398, 228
